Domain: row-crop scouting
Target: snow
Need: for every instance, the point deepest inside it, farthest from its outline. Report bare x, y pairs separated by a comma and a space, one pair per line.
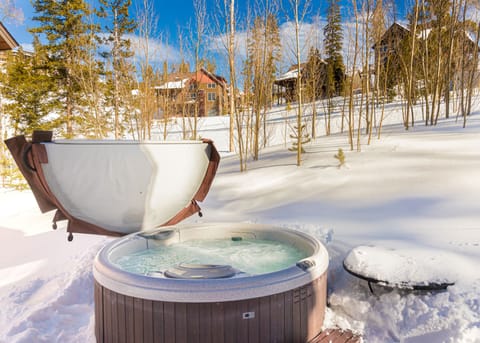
173, 84
405, 267
292, 74
415, 192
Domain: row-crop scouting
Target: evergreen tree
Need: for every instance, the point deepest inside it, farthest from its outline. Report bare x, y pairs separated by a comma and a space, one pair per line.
299, 140
29, 88
120, 51
333, 37
63, 25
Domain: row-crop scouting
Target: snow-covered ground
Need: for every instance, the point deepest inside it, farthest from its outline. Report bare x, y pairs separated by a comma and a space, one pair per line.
415, 191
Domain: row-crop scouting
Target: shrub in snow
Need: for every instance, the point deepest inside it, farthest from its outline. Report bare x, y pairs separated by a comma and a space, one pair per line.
340, 156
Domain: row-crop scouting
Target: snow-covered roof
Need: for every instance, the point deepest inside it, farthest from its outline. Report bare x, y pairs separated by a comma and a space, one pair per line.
425, 33
180, 84
292, 74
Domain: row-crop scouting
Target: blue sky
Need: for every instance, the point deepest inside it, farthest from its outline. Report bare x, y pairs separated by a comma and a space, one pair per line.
173, 15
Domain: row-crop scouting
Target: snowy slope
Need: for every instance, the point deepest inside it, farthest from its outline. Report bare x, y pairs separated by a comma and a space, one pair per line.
416, 191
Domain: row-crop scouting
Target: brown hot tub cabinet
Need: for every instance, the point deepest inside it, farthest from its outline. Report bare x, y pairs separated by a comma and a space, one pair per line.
292, 316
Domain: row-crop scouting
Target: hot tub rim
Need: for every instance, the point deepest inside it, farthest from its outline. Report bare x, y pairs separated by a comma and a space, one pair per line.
109, 275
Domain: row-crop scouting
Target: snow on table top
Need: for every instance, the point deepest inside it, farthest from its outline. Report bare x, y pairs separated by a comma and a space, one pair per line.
402, 266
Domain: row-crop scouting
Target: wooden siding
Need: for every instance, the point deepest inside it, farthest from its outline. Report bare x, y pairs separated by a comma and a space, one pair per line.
293, 316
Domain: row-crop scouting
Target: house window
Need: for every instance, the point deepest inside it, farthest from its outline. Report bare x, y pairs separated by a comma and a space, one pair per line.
212, 96
211, 85
193, 95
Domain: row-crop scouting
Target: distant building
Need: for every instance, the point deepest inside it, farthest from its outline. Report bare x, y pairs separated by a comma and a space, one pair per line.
285, 85
181, 93
390, 50
391, 43
7, 43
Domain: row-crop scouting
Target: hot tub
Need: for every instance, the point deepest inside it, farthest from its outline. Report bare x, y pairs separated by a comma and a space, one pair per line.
210, 302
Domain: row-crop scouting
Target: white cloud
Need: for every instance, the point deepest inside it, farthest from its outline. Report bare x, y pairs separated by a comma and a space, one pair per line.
158, 51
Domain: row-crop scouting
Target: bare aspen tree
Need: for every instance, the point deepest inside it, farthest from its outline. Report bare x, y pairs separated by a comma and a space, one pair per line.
185, 114
262, 54
349, 55
299, 84
366, 14
473, 74
315, 75
230, 29
351, 108
467, 51
200, 10
425, 57
377, 30
452, 26
270, 55
463, 51
299, 11
147, 22
243, 117
226, 24
410, 71
128, 97
439, 12
92, 116
165, 100
117, 14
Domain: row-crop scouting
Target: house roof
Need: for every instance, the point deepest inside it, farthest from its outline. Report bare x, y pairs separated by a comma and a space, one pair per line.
7, 42
421, 34
179, 84
291, 74
180, 80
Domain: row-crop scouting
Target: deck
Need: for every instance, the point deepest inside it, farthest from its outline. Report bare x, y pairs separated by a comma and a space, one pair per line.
336, 336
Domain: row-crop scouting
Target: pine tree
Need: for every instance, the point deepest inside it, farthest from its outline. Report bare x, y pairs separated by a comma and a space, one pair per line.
299, 140
333, 37
120, 51
28, 88
63, 25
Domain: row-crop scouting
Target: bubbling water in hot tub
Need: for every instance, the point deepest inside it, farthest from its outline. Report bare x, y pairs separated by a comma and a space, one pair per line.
249, 256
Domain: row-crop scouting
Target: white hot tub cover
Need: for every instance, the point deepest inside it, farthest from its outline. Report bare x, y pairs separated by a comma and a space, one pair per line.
116, 187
